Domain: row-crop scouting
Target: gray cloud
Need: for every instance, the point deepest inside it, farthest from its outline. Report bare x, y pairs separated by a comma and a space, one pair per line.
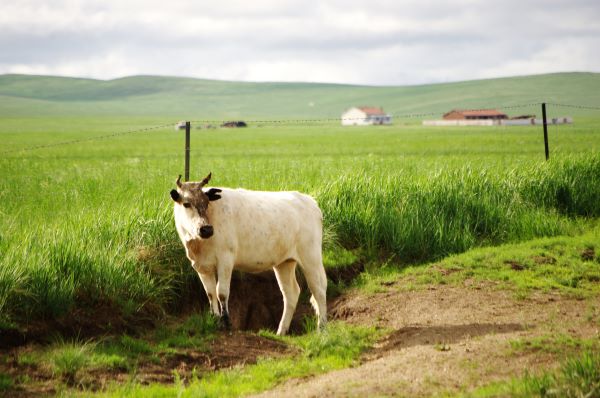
375, 42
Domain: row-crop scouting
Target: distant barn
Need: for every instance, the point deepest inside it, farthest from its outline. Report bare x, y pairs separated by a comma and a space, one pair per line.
365, 116
479, 114
238, 123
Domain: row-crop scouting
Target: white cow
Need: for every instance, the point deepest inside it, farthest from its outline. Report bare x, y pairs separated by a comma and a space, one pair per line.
224, 229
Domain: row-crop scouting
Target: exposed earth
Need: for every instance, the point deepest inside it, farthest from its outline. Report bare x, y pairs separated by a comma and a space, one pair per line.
448, 339
441, 339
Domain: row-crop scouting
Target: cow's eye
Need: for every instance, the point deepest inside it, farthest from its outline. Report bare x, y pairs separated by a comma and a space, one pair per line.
187, 205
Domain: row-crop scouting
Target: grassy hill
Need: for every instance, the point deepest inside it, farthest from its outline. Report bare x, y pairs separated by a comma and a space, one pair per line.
23, 95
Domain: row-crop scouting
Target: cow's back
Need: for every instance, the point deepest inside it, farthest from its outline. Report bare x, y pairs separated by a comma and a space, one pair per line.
262, 229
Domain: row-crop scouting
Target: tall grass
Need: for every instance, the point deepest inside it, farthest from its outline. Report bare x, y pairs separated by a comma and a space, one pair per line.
421, 219
92, 263
130, 260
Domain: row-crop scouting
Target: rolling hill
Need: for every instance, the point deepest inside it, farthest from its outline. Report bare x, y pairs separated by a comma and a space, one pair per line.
29, 96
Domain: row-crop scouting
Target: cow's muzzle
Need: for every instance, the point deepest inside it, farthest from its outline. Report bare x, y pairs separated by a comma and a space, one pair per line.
206, 231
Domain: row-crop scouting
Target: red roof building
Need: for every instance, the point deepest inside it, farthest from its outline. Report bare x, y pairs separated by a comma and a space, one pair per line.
479, 114
372, 111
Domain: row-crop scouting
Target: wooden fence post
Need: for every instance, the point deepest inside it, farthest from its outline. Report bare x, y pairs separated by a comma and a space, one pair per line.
545, 130
187, 151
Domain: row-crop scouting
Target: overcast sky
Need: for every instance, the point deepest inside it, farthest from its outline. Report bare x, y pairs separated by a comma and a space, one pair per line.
374, 42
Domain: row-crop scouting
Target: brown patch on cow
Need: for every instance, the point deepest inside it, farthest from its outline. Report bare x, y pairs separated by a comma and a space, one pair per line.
588, 254
192, 193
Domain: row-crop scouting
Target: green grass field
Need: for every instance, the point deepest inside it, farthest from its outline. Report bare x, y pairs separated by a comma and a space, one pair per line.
88, 225
76, 217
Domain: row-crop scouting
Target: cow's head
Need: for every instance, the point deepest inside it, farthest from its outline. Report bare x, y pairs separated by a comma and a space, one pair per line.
191, 204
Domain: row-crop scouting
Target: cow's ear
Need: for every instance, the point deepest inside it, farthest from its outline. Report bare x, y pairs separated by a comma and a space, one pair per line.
213, 194
175, 195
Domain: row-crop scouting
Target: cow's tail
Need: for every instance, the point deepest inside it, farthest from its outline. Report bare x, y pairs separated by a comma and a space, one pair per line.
313, 302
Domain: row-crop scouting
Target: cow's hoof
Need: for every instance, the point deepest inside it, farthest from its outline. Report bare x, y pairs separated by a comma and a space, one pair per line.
225, 323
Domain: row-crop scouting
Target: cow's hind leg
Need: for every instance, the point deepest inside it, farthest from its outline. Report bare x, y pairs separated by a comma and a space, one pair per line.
286, 277
316, 279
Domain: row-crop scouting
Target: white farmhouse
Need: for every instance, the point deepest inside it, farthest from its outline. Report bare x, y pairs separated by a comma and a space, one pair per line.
180, 125
364, 116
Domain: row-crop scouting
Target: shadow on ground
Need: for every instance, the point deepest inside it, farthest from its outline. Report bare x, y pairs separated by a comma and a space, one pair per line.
448, 334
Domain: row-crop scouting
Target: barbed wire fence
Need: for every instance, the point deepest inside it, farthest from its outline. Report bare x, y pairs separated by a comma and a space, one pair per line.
86, 139
287, 122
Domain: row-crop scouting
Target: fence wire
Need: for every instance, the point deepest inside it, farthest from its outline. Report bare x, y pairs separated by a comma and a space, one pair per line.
219, 122
86, 139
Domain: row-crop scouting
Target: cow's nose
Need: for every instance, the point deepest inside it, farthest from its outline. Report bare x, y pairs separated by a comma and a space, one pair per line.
206, 231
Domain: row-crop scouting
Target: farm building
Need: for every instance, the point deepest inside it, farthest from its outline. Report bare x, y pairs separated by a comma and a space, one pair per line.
491, 117
364, 116
234, 123
479, 114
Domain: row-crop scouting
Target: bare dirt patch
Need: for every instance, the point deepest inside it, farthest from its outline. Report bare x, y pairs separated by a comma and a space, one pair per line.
588, 254
227, 350
515, 265
446, 339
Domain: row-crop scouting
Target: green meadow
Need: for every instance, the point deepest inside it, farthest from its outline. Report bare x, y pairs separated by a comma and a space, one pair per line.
90, 224
87, 225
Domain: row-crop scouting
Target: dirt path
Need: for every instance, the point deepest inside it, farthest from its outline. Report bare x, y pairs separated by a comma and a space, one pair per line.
446, 339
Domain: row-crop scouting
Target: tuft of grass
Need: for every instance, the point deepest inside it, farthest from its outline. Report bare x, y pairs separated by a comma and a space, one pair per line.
578, 376
562, 344
336, 340
134, 346
193, 333
101, 360
6, 382
68, 358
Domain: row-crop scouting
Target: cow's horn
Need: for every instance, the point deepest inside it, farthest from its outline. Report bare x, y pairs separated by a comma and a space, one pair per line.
178, 182
206, 180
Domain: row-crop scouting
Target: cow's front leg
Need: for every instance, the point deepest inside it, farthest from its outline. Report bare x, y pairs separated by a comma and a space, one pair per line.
210, 286
224, 270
